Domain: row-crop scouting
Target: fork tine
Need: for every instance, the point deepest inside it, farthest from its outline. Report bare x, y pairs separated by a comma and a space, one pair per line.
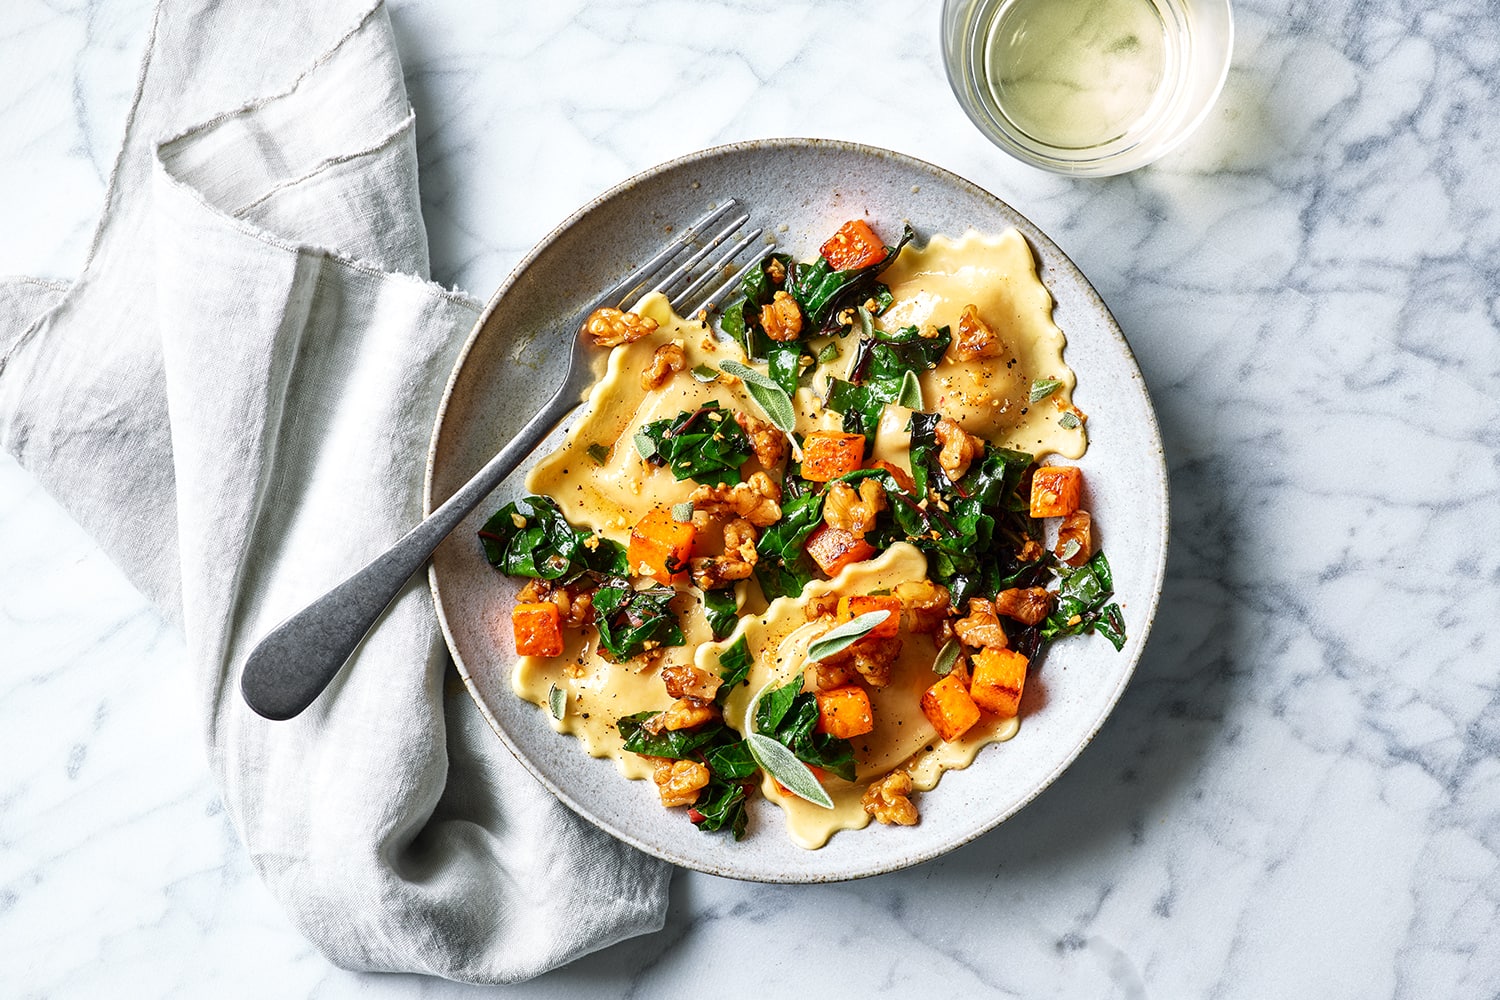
711, 301
685, 295
681, 272
666, 254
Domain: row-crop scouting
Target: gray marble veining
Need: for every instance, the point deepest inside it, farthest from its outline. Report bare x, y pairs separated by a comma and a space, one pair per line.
1299, 794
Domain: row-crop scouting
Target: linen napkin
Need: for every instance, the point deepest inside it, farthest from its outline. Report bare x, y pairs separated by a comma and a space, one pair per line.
235, 399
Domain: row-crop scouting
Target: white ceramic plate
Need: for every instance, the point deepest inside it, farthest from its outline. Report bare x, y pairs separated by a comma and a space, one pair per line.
514, 358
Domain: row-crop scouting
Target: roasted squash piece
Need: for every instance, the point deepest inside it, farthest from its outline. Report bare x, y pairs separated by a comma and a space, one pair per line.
834, 548
829, 454
845, 712
855, 245
851, 608
1055, 489
949, 708
538, 629
661, 546
999, 677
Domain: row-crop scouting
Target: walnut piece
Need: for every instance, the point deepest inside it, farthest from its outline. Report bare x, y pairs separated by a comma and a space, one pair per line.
887, 800
684, 713
737, 562
827, 676
683, 680
776, 271
668, 360
981, 628
678, 782
871, 658
769, 442
575, 601
853, 512
781, 318
959, 448
757, 500
1027, 606
612, 327
1075, 535
926, 604
975, 338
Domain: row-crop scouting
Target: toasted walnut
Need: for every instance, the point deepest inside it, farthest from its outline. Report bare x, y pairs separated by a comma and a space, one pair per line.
1073, 538
678, 782
757, 500
684, 713
974, 339
575, 601
822, 606
871, 658
612, 327
981, 628
668, 360
768, 442
887, 800
737, 562
926, 604
853, 512
1031, 550
959, 448
776, 271
1027, 606
781, 318
683, 680
827, 676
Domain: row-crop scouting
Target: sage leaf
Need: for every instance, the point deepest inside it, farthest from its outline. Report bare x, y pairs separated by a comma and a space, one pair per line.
682, 513
644, 444
910, 394
1068, 420
779, 763
846, 635
1043, 387
866, 323
599, 453
773, 399
557, 701
706, 373
947, 657
830, 352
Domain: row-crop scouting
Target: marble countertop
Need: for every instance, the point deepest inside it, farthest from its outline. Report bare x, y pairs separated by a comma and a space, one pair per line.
1299, 794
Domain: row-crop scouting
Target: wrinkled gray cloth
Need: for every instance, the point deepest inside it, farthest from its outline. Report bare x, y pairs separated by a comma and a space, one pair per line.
235, 399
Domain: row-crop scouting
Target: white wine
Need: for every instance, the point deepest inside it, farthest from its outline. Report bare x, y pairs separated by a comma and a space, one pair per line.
1076, 74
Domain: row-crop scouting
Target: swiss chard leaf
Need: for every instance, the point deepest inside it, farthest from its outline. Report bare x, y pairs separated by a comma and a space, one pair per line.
789, 715
734, 667
721, 805
784, 364
822, 291
705, 445
784, 567
861, 406
722, 610
628, 619
673, 744
530, 537
1083, 605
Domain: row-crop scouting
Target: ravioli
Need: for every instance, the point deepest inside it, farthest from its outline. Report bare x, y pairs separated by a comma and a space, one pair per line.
990, 398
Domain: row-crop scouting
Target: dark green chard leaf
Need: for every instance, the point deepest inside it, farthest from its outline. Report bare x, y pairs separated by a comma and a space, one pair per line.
784, 364
740, 320
734, 667
628, 619
1083, 605
530, 537
789, 716
721, 804
784, 567
722, 609
822, 292
731, 761
705, 445
673, 744
861, 407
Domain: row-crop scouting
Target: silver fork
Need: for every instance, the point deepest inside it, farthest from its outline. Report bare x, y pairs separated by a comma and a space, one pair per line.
294, 662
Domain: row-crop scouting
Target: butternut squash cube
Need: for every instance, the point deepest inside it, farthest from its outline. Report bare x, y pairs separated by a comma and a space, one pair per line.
537, 629
660, 546
999, 677
845, 712
851, 608
949, 708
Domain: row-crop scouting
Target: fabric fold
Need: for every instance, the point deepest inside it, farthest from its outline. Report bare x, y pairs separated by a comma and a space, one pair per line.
238, 395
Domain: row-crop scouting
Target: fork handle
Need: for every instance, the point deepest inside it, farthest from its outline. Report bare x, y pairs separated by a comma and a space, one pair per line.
292, 665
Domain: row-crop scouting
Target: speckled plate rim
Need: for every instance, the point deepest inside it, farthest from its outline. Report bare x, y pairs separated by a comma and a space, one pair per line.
1057, 259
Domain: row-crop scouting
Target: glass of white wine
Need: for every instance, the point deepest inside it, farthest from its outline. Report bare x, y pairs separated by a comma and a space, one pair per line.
1087, 87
